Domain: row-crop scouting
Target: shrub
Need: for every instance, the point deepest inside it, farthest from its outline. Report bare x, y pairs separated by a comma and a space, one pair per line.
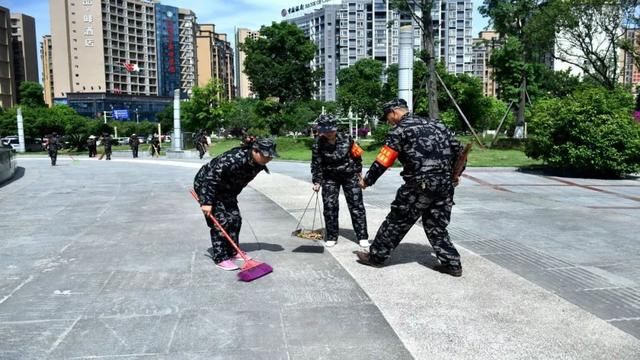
380, 133
591, 133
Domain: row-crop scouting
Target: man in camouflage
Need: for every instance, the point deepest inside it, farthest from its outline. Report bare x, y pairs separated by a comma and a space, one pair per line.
134, 143
53, 144
218, 184
107, 141
427, 151
337, 162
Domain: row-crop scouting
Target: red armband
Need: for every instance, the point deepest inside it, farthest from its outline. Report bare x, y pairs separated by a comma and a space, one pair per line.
387, 156
356, 151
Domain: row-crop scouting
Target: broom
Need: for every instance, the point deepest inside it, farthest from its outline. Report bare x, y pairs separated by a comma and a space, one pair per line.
251, 269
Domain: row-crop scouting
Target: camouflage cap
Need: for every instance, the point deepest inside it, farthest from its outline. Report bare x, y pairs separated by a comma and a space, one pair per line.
327, 123
393, 104
266, 146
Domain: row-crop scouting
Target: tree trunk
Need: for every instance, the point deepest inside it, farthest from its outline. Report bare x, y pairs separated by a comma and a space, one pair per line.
430, 59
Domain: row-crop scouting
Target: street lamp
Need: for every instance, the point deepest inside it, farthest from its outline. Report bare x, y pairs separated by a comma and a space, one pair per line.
137, 119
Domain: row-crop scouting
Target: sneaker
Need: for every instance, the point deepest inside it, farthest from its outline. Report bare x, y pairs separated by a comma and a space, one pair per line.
330, 243
227, 265
237, 257
364, 243
364, 258
455, 271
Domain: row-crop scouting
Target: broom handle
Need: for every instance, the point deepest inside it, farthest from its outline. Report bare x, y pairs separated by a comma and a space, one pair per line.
224, 232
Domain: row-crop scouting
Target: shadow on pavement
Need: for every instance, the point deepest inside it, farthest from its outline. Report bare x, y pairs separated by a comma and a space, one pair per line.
309, 249
409, 253
17, 175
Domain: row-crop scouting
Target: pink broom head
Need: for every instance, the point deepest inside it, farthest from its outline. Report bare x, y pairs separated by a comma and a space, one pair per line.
254, 272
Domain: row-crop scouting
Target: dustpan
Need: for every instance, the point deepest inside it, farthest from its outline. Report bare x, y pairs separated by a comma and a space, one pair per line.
311, 233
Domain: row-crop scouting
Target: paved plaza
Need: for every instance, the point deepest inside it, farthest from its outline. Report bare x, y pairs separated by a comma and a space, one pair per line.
107, 260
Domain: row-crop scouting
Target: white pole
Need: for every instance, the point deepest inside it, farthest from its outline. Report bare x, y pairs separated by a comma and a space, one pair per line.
115, 131
176, 142
405, 63
21, 147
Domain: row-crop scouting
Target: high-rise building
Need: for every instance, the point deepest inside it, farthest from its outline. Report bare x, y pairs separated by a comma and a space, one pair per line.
125, 50
188, 60
357, 29
243, 84
47, 68
483, 46
215, 59
630, 72
7, 84
25, 49
104, 46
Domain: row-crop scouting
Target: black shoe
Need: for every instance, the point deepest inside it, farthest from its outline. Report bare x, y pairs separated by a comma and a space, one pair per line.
448, 269
365, 259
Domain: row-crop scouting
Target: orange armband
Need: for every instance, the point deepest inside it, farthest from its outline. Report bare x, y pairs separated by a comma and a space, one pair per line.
356, 151
387, 156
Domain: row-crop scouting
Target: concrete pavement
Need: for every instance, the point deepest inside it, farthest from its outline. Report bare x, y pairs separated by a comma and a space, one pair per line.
124, 274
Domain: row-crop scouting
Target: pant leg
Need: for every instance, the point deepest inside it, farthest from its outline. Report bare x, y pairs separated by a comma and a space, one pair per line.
330, 192
353, 195
435, 220
404, 213
228, 215
53, 155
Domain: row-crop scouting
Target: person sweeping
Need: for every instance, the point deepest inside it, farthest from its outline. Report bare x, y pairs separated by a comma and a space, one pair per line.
217, 186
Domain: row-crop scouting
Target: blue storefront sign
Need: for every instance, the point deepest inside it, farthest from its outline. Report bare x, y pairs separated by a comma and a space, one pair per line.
168, 45
120, 114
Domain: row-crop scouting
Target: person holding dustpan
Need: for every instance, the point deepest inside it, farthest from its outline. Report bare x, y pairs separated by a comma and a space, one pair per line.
336, 162
217, 186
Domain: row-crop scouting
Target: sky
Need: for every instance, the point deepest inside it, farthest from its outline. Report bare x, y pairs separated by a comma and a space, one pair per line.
225, 14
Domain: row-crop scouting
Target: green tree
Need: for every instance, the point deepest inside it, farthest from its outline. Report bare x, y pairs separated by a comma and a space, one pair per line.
589, 34
517, 23
204, 109
165, 118
278, 63
590, 133
360, 88
31, 94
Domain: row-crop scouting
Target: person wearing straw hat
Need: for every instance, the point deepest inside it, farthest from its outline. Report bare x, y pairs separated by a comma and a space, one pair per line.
336, 162
218, 184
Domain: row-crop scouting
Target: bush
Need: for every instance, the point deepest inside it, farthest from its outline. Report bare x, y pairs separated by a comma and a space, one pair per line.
380, 133
591, 133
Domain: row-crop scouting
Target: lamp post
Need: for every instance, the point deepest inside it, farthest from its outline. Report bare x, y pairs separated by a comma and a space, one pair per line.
137, 118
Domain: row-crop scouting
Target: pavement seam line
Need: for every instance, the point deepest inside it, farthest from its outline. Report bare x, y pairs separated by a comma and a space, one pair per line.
23, 283
63, 336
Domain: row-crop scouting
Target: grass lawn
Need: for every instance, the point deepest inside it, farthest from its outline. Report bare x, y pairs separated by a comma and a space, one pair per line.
290, 149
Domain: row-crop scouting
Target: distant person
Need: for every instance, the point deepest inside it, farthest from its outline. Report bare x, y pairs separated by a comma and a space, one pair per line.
91, 145
155, 147
107, 142
201, 143
336, 162
218, 184
134, 143
428, 153
53, 144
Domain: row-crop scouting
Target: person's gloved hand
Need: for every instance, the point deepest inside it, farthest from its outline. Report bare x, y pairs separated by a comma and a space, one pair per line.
316, 187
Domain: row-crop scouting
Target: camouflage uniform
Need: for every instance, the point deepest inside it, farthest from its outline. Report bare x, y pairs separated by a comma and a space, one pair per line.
427, 150
201, 143
52, 147
107, 141
334, 166
134, 143
218, 183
